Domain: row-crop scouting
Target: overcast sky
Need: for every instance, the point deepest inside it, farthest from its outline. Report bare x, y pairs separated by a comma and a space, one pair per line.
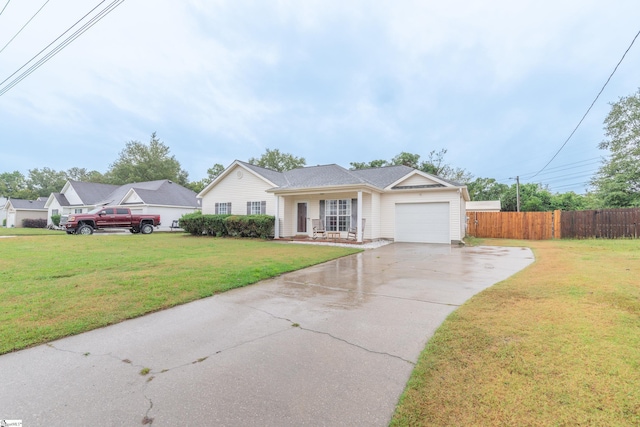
500, 84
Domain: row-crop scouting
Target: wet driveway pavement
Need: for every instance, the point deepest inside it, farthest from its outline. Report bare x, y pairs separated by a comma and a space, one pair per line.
332, 344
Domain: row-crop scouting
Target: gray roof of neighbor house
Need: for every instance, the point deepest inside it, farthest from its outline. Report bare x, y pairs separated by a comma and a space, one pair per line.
62, 199
91, 192
28, 204
161, 192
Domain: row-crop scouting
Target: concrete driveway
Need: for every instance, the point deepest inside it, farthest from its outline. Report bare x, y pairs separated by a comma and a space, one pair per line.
332, 344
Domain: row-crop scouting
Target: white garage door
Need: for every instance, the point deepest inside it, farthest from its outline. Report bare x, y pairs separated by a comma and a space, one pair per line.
422, 222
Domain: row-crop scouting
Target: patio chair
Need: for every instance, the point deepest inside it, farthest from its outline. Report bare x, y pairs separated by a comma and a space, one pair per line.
318, 229
353, 231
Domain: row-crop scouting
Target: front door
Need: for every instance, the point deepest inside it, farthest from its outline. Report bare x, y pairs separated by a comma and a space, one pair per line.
302, 217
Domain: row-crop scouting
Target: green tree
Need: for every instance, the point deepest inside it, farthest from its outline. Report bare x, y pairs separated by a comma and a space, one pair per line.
533, 198
139, 162
434, 165
568, 201
275, 160
372, 164
212, 173
45, 181
407, 159
14, 185
82, 174
617, 182
486, 189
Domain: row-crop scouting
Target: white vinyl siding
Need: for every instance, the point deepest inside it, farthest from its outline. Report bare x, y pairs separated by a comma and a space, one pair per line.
238, 190
416, 179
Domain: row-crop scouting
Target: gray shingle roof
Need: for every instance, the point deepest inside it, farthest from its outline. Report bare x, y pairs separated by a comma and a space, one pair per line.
320, 176
167, 193
62, 199
28, 204
334, 175
91, 192
161, 192
385, 176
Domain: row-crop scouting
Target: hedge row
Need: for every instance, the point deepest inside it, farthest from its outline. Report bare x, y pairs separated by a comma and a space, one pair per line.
34, 223
228, 225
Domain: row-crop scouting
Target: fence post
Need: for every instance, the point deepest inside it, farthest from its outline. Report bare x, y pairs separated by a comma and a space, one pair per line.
557, 225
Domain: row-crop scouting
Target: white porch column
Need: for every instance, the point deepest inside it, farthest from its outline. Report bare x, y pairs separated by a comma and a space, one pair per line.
276, 229
359, 217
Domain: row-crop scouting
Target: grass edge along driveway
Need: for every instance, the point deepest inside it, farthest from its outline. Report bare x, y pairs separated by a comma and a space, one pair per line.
556, 344
52, 286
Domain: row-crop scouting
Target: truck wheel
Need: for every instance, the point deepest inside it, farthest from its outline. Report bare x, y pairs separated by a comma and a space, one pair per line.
85, 229
146, 229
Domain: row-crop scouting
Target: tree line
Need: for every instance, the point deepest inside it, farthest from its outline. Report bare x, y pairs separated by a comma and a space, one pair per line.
615, 185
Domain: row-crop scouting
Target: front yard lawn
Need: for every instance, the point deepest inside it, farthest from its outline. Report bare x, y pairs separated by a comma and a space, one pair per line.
53, 286
556, 344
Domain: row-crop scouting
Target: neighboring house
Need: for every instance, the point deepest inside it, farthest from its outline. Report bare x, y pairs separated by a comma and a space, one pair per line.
484, 206
19, 209
3, 211
397, 202
162, 197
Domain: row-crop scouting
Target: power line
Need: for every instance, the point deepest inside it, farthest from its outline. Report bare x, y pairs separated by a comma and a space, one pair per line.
108, 9
5, 6
591, 106
560, 167
16, 35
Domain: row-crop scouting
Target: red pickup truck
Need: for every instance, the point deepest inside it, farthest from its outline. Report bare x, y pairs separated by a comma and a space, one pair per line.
110, 217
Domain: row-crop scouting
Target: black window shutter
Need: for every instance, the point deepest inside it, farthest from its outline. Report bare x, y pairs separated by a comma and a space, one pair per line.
322, 211
229, 208
217, 211
248, 208
263, 207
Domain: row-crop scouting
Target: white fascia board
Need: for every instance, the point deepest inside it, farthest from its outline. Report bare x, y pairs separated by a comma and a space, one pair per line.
130, 193
423, 174
49, 201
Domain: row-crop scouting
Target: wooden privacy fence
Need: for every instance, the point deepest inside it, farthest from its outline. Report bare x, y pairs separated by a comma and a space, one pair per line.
511, 225
602, 223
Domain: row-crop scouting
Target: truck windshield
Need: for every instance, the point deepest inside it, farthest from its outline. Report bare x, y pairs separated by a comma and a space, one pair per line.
96, 210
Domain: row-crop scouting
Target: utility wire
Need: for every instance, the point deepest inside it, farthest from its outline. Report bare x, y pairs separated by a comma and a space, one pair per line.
591, 106
16, 35
49, 45
5, 6
61, 46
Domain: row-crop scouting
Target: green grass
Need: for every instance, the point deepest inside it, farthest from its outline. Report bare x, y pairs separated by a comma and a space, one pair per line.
557, 344
53, 286
4, 231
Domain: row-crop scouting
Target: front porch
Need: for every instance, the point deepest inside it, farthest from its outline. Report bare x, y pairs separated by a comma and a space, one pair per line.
336, 212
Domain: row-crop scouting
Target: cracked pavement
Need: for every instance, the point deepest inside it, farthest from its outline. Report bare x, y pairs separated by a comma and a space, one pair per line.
332, 344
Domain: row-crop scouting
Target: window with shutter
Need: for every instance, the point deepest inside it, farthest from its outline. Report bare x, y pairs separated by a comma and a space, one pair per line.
337, 214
